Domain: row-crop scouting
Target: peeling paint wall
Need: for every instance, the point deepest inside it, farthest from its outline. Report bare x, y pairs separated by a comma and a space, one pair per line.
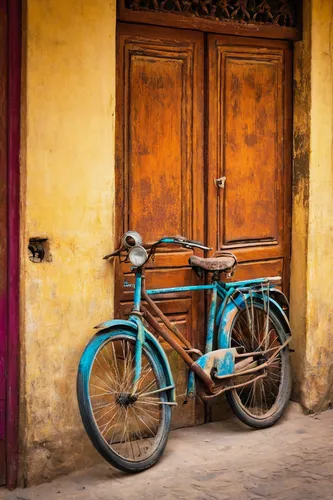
319, 351
312, 262
68, 197
300, 197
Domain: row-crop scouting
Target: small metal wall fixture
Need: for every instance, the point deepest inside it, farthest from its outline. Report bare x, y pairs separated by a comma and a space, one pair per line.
38, 250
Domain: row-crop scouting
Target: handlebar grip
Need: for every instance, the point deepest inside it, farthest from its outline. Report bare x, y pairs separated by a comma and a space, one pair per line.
195, 244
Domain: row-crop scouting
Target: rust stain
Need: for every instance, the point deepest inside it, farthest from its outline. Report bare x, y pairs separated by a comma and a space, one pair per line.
251, 140
142, 150
259, 92
235, 108
250, 80
144, 77
145, 187
236, 84
261, 122
238, 219
301, 162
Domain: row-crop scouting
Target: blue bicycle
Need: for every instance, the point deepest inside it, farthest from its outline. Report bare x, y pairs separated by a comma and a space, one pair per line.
125, 386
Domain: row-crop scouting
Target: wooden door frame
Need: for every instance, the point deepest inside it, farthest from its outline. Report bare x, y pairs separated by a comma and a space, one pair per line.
10, 323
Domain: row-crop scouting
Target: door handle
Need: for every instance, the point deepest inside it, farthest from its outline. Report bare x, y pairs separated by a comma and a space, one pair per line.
220, 182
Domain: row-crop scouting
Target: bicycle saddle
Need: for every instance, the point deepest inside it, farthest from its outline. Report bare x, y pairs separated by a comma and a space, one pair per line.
224, 262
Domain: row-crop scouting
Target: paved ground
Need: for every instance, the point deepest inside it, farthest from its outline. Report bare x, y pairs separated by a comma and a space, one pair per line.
219, 461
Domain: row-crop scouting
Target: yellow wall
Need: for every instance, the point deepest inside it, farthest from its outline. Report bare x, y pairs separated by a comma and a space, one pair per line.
319, 352
68, 196
312, 251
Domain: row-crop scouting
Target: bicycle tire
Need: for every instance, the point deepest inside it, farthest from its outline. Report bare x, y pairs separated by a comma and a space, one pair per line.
88, 418
285, 386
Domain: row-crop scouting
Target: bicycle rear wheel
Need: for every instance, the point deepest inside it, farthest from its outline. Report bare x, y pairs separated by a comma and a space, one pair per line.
128, 425
261, 403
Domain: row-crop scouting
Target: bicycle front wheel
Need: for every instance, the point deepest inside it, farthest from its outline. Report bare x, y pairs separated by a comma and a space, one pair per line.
261, 403
128, 425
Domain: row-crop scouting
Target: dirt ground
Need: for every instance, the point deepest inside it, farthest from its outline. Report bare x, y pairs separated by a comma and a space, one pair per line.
220, 461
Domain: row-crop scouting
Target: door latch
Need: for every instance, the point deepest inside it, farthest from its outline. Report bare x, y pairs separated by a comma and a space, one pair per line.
220, 182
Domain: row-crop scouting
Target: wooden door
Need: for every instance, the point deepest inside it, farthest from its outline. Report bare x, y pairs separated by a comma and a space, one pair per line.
160, 168
249, 131
3, 236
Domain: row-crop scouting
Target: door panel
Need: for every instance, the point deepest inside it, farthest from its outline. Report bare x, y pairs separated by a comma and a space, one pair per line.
156, 95
160, 131
160, 167
248, 134
251, 118
253, 269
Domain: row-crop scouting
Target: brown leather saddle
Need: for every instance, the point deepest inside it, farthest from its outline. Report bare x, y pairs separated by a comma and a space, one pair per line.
220, 262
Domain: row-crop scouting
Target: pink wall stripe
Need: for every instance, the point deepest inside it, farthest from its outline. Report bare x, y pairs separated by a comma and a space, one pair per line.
14, 89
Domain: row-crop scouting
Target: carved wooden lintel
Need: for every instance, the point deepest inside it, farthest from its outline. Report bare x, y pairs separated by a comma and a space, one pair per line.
261, 12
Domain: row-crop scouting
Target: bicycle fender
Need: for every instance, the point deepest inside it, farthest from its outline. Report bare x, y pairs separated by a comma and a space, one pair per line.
224, 329
279, 297
113, 322
114, 327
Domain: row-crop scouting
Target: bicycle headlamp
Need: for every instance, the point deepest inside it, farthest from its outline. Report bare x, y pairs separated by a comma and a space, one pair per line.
137, 256
131, 239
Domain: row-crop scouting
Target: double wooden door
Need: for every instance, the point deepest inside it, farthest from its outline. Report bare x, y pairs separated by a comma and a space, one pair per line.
192, 109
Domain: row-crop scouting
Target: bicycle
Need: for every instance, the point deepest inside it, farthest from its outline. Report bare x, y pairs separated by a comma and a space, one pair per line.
125, 386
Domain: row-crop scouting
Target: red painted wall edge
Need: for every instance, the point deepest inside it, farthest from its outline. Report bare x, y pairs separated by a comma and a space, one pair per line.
13, 352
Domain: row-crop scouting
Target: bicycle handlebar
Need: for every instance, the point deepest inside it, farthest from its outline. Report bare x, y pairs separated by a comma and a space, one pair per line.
177, 240
181, 240
114, 254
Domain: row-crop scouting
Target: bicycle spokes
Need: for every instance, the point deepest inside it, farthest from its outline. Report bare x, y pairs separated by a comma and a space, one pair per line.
129, 422
254, 331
